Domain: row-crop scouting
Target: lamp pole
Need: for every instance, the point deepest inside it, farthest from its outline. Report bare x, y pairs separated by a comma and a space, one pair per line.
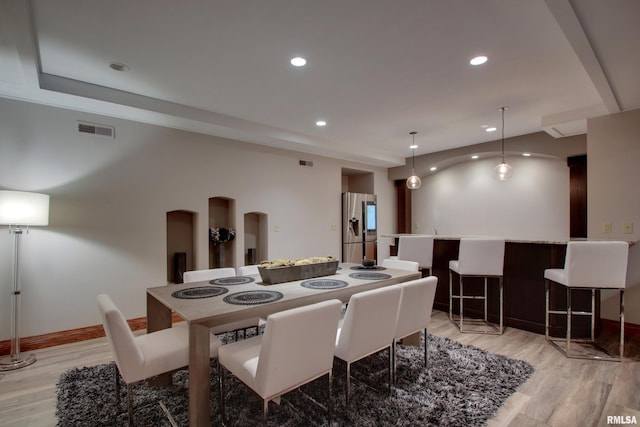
14, 360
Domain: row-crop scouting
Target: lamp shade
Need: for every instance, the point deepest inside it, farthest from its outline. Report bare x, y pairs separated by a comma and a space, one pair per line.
23, 208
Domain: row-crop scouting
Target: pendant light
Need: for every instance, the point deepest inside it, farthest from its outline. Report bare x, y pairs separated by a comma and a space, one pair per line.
413, 182
503, 171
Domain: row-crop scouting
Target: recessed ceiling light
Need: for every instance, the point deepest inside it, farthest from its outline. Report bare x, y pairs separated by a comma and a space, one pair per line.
526, 154
413, 147
433, 168
119, 66
478, 60
491, 129
321, 123
298, 61
475, 156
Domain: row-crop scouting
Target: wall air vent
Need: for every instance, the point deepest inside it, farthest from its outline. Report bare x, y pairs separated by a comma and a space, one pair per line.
95, 129
306, 163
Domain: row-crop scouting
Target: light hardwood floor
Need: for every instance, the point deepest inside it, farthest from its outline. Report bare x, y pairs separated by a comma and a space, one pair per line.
562, 392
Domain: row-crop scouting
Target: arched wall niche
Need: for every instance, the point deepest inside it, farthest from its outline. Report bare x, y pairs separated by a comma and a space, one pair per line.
221, 215
255, 237
180, 244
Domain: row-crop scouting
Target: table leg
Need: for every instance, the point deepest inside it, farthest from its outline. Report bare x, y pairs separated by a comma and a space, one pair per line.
199, 375
158, 317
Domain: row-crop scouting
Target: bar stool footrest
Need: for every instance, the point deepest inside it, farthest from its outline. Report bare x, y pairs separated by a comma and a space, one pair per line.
587, 349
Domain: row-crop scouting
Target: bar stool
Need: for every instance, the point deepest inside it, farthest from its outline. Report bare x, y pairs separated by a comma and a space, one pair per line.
418, 249
591, 266
477, 257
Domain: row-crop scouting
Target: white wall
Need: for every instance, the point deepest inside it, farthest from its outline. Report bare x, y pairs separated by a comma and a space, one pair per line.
613, 144
465, 200
109, 200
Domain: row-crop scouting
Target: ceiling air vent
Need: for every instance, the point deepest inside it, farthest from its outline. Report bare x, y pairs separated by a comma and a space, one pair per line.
306, 163
95, 129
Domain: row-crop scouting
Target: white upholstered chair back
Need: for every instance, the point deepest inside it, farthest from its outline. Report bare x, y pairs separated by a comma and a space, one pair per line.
210, 274
416, 248
126, 351
297, 347
596, 264
400, 264
416, 304
480, 257
248, 270
369, 323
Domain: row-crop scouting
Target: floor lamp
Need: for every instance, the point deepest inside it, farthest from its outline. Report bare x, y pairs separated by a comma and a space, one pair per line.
19, 210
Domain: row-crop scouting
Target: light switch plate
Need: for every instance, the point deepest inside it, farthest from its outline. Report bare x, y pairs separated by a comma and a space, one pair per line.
628, 228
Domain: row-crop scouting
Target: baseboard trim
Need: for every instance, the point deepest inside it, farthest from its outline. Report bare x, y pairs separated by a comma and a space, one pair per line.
631, 330
70, 336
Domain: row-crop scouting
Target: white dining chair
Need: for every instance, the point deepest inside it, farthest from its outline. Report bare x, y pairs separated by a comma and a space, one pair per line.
248, 270
143, 356
588, 266
296, 348
418, 249
210, 274
399, 264
368, 326
414, 313
219, 273
484, 258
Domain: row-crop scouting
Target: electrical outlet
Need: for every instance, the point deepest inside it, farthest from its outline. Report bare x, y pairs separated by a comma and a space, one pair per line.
628, 228
334, 227
606, 227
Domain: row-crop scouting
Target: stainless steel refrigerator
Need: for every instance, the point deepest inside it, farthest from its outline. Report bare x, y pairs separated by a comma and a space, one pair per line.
359, 227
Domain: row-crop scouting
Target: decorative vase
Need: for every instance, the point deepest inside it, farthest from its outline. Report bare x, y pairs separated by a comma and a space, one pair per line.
220, 250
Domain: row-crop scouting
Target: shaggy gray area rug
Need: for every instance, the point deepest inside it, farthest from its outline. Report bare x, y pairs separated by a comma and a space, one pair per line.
462, 386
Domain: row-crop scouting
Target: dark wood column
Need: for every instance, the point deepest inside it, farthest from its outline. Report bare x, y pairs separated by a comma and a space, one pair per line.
403, 195
577, 196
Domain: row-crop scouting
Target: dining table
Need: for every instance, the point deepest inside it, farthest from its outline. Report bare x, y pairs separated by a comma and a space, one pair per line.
220, 301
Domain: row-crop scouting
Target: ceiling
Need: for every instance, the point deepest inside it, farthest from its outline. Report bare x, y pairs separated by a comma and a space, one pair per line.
376, 70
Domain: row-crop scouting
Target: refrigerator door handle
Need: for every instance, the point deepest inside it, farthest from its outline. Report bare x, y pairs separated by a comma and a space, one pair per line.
353, 226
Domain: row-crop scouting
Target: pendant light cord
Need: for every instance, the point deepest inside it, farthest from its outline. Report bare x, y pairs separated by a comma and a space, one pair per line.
503, 109
413, 151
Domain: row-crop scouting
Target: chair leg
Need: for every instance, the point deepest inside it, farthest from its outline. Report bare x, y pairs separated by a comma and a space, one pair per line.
394, 360
450, 296
390, 378
223, 416
486, 307
546, 310
593, 315
569, 315
329, 399
265, 411
130, 404
425, 347
117, 386
501, 305
347, 386
461, 304
621, 324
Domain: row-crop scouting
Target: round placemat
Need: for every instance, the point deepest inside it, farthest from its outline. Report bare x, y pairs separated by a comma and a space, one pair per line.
199, 292
370, 276
253, 297
324, 284
227, 281
362, 267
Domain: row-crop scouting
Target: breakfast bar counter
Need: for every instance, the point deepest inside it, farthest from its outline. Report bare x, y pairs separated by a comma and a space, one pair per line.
524, 287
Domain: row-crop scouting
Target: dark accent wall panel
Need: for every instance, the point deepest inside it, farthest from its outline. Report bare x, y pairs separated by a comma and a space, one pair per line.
577, 196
